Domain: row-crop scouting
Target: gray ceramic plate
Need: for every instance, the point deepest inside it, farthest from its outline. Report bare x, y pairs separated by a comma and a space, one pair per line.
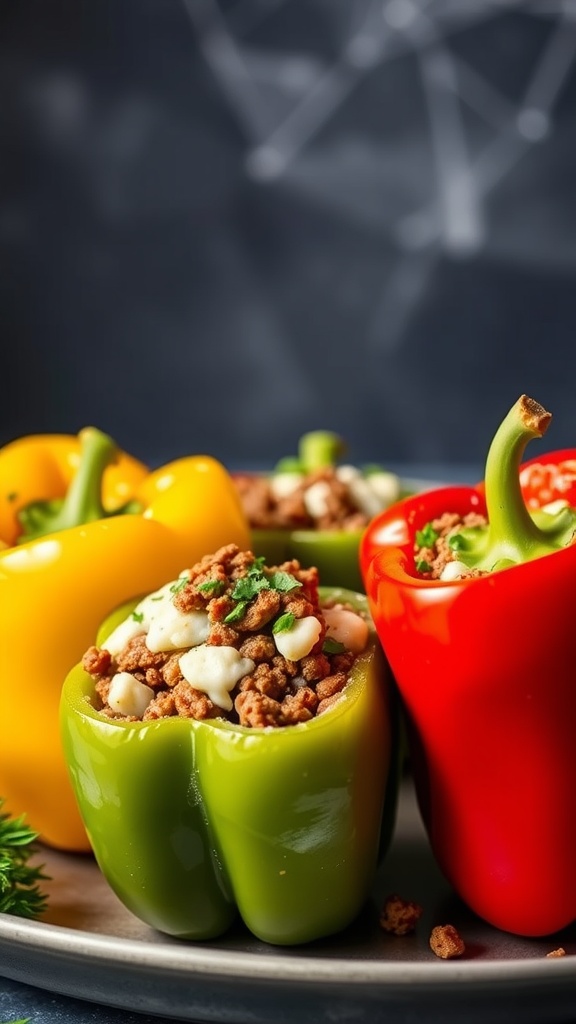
89, 947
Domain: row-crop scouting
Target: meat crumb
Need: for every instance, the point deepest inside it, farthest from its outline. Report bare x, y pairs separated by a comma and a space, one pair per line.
432, 549
399, 916
446, 942
557, 952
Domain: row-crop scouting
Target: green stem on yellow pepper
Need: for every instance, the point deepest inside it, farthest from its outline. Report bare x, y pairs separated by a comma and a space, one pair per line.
513, 535
83, 500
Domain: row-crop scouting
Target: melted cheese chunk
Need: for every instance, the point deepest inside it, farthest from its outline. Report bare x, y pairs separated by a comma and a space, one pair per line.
128, 696
297, 642
316, 499
167, 628
454, 570
346, 627
215, 671
172, 629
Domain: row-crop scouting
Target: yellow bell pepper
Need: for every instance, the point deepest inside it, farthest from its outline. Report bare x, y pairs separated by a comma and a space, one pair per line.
72, 553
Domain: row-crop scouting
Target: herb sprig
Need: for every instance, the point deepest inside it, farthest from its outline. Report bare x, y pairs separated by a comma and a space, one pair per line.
256, 580
20, 892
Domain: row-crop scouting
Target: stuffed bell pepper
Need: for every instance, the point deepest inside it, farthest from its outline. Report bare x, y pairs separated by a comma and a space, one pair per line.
83, 526
470, 589
229, 739
314, 507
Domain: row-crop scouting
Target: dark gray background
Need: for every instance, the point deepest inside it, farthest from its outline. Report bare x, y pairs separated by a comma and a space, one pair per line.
222, 224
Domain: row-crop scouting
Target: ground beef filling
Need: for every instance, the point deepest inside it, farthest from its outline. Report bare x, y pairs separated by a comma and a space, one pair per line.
334, 506
431, 558
277, 691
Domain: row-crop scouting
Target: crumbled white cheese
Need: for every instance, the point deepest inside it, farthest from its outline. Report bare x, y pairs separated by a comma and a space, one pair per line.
316, 498
454, 570
128, 696
386, 487
171, 629
126, 631
166, 628
364, 497
346, 627
346, 473
370, 493
283, 484
215, 671
298, 641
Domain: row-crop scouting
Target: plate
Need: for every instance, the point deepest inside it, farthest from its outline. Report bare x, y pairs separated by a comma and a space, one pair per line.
89, 947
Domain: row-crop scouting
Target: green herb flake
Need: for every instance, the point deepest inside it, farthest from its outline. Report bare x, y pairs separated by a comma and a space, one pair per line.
138, 616
213, 587
283, 581
426, 537
248, 586
423, 566
456, 542
284, 623
179, 585
237, 613
332, 646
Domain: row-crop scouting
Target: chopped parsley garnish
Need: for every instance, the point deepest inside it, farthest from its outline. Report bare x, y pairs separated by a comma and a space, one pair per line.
284, 623
179, 585
138, 616
248, 586
283, 581
237, 613
456, 542
256, 580
332, 646
426, 537
423, 566
211, 587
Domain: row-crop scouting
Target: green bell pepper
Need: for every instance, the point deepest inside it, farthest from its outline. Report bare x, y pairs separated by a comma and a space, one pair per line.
193, 821
334, 549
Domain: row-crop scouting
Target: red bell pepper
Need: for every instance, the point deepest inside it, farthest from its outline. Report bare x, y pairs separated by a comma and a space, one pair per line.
485, 667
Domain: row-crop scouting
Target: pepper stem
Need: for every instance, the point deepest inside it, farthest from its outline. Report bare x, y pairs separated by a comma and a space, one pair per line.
512, 534
83, 500
320, 449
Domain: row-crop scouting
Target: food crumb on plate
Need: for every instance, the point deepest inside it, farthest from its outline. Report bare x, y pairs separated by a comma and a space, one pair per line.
399, 916
446, 942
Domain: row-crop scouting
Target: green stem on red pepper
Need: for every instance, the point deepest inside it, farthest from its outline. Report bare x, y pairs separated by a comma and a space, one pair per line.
513, 535
83, 501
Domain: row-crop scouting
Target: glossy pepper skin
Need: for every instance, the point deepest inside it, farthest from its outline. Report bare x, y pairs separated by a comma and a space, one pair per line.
195, 822
57, 587
485, 669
